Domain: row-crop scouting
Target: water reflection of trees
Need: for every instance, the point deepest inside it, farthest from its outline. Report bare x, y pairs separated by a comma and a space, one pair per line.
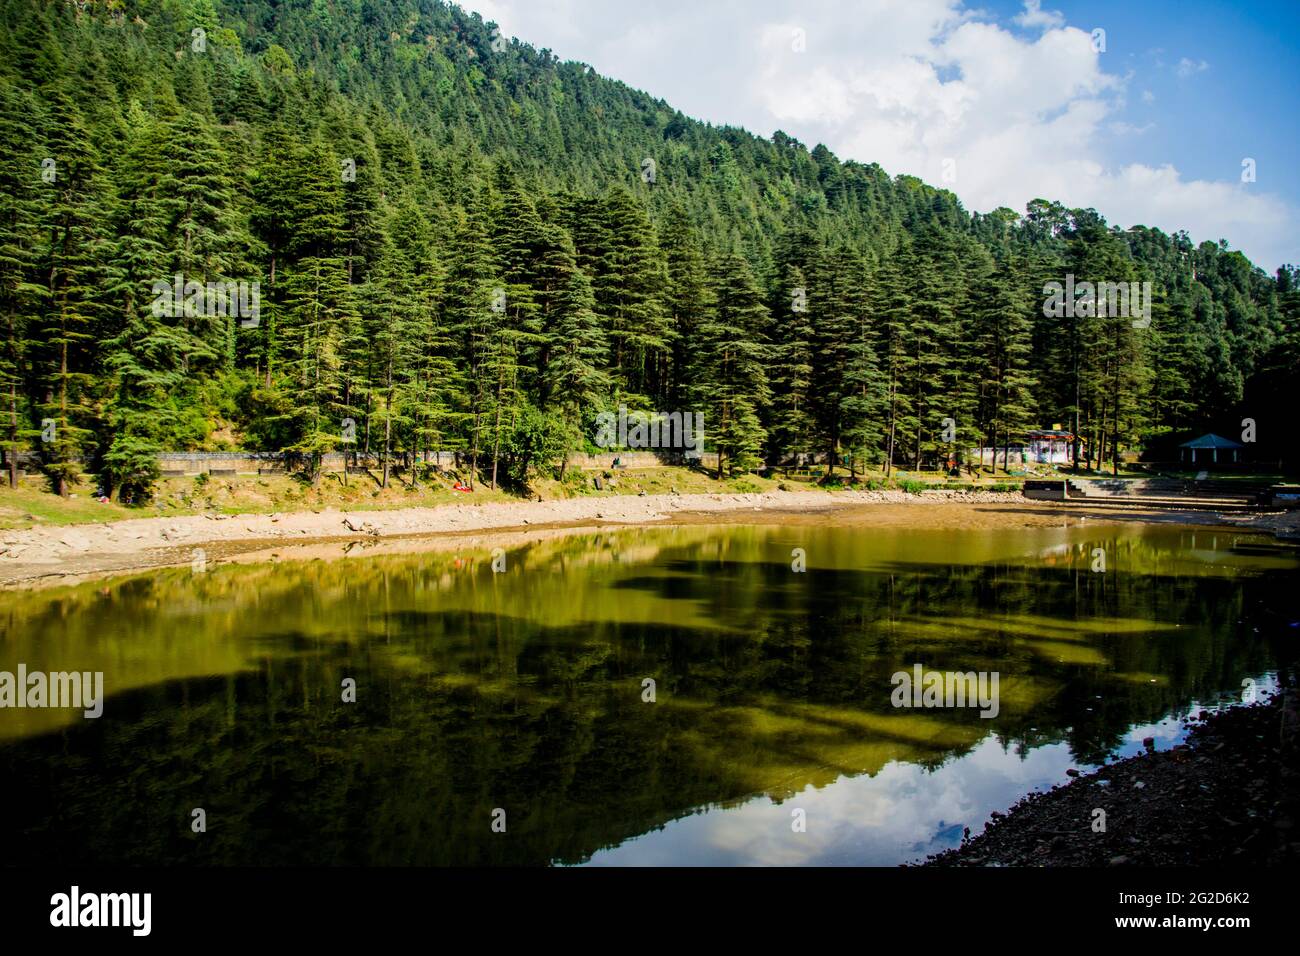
487, 692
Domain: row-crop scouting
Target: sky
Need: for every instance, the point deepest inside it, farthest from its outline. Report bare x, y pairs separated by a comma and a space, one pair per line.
1179, 115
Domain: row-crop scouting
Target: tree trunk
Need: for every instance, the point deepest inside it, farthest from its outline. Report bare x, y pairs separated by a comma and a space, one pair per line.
893, 423
13, 435
388, 433
496, 447
496, 428
473, 455
267, 338
60, 486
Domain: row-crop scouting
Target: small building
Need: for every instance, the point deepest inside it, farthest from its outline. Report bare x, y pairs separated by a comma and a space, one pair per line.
1053, 446
1042, 446
1210, 449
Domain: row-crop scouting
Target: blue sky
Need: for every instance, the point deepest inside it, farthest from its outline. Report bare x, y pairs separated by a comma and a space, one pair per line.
1234, 95
1001, 102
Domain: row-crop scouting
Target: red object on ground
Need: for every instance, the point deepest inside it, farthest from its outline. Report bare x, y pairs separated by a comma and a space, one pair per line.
459, 487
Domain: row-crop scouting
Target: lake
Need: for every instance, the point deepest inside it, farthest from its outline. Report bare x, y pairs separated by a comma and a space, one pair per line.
520, 700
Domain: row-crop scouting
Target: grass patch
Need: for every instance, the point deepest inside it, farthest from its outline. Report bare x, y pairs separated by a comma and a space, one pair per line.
31, 505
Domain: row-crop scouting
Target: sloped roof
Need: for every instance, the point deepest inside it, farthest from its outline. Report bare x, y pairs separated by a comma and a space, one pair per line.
1211, 440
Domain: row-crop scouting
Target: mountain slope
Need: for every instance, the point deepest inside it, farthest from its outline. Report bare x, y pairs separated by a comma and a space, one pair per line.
464, 243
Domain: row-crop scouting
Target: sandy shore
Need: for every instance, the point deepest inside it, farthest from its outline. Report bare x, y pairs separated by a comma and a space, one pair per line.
51, 555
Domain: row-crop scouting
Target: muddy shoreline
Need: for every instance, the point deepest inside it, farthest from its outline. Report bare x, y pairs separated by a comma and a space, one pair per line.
44, 556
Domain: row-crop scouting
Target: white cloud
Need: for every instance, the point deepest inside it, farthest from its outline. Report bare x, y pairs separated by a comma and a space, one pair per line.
1121, 128
1034, 16
908, 83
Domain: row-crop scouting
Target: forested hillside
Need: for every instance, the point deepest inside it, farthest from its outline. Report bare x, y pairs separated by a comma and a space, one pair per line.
465, 243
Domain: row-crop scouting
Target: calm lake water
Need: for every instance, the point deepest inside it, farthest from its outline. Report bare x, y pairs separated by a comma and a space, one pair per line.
523, 691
